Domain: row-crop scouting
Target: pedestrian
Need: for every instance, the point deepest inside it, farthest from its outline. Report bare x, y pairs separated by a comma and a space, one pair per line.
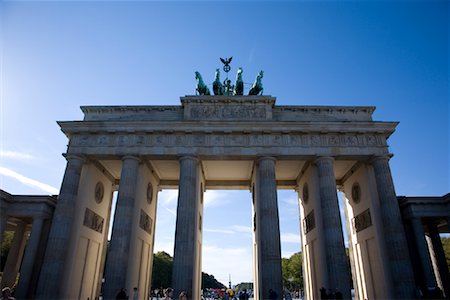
6, 294
135, 293
183, 296
122, 294
168, 294
272, 295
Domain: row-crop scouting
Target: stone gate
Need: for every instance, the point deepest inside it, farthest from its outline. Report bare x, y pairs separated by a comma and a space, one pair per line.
226, 142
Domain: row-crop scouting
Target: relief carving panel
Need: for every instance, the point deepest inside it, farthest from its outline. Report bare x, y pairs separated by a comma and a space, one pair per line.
228, 139
93, 220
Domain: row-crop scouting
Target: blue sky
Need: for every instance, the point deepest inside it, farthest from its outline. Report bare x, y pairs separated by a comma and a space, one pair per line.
59, 55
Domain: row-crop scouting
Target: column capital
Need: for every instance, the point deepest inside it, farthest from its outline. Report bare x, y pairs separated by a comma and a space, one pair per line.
321, 159
40, 216
190, 157
266, 158
136, 158
376, 158
72, 157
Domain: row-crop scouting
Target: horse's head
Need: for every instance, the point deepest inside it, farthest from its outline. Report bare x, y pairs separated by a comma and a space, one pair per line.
239, 73
261, 74
197, 75
217, 74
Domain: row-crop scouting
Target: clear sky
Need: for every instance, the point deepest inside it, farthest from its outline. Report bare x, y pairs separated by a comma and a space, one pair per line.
59, 55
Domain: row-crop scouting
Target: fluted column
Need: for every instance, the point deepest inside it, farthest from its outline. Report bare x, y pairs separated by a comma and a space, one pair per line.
185, 253
29, 258
3, 222
422, 249
59, 237
397, 250
337, 265
14, 258
269, 249
439, 254
117, 260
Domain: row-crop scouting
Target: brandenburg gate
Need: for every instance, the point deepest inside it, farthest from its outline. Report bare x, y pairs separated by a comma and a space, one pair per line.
226, 142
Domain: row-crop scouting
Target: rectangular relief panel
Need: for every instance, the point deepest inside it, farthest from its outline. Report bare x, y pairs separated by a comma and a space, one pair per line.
93, 220
362, 221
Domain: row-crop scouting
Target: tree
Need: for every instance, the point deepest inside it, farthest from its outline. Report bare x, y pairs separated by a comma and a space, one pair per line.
208, 281
243, 286
162, 270
292, 269
4, 249
162, 273
446, 246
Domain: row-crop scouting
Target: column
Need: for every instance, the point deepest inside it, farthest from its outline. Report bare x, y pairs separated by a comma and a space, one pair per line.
3, 221
444, 282
15, 254
268, 242
422, 249
26, 269
57, 246
117, 260
185, 254
397, 249
336, 258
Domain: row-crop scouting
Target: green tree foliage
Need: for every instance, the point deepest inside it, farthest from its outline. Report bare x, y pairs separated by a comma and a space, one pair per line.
243, 286
4, 249
162, 270
293, 272
208, 281
162, 273
446, 246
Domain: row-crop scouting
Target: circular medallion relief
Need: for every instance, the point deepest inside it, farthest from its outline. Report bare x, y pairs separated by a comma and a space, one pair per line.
305, 193
149, 193
99, 192
356, 192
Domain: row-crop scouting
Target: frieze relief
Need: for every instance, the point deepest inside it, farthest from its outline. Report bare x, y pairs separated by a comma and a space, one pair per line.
228, 140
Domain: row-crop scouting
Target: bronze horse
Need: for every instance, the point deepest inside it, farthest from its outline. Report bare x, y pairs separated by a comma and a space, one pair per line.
257, 87
201, 89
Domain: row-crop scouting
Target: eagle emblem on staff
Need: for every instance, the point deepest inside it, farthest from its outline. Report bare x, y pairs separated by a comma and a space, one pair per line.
226, 62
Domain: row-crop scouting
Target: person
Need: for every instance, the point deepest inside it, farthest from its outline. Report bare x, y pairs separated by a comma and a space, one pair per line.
183, 296
288, 296
168, 294
323, 293
6, 294
122, 294
135, 293
338, 295
272, 295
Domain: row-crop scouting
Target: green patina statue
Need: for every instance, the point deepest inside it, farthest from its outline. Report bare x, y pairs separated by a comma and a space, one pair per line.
217, 85
201, 89
239, 85
257, 87
226, 88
